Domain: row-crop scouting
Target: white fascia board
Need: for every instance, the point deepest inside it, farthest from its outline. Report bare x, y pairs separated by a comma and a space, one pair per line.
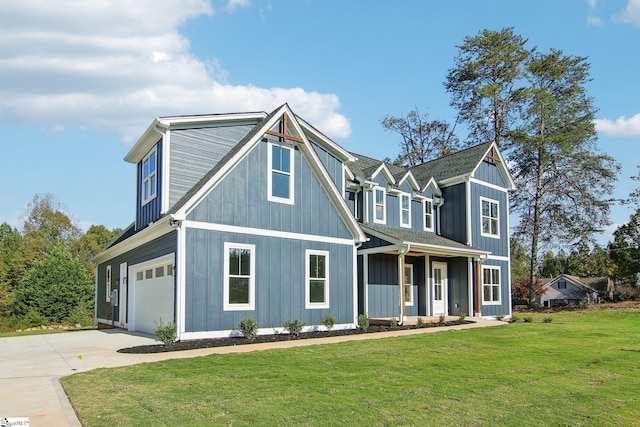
413, 182
388, 176
348, 174
152, 232
148, 139
327, 143
502, 168
435, 188
453, 180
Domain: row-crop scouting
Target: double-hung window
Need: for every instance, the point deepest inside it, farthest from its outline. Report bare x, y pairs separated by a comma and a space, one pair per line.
405, 210
280, 179
490, 218
317, 279
428, 215
239, 277
108, 284
149, 176
490, 285
408, 284
379, 205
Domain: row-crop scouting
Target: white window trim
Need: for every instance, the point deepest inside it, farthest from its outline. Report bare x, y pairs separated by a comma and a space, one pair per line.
384, 206
424, 215
482, 233
252, 278
270, 197
143, 180
410, 304
403, 224
108, 286
307, 278
492, 267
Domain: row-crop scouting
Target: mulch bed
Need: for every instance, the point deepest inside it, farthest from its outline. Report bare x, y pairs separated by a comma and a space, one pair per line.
233, 341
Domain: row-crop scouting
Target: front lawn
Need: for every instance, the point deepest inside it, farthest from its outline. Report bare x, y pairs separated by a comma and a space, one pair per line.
582, 368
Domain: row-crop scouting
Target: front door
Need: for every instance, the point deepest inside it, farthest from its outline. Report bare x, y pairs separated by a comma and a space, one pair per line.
439, 280
122, 294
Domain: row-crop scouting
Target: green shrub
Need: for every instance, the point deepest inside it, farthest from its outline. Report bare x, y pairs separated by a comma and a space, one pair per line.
441, 319
463, 316
547, 319
528, 320
248, 327
514, 319
34, 319
420, 322
294, 327
363, 322
393, 323
499, 316
167, 333
328, 320
80, 315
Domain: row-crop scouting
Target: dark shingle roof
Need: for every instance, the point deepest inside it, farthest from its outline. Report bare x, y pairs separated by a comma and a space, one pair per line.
459, 163
421, 238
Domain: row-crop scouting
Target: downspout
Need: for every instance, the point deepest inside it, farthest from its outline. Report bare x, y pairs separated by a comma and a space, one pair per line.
438, 201
177, 270
401, 255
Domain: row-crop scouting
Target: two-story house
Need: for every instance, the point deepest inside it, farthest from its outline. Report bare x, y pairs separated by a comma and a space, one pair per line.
262, 215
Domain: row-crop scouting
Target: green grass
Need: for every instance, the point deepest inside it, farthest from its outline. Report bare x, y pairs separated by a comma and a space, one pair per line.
581, 369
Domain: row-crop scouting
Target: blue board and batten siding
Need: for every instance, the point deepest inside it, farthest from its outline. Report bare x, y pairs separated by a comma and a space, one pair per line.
151, 210
453, 216
161, 246
240, 200
194, 152
331, 164
279, 281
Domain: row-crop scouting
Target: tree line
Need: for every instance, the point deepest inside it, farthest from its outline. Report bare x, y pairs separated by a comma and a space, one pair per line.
46, 274
535, 106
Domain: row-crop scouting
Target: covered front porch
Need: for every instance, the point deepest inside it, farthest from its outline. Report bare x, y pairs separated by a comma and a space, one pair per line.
405, 274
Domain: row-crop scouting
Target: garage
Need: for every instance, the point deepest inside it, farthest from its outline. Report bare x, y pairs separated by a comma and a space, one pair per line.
153, 294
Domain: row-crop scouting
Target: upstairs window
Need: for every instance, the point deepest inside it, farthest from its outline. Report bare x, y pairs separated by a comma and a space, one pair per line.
149, 176
562, 284
428, 215
379, 206
280, 174
405, 210
490, 218
317, 279
490, 285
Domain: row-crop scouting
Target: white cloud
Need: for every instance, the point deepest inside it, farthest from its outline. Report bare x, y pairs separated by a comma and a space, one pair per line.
631, 14
592, 20
116, 65
622, 126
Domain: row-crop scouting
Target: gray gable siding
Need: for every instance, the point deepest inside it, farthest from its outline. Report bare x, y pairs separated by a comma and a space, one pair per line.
195, 151
151, 210
453, 221
161, 246
488, 172
498, 246
240, 199
331, 164
279, 281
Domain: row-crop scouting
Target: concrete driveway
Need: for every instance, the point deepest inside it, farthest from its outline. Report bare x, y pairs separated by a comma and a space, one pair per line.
31, 366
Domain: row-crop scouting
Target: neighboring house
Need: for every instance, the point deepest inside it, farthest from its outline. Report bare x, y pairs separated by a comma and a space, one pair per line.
262, 215
566, 289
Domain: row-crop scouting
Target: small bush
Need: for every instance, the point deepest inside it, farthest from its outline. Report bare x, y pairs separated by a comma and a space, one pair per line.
294, 327
363, 322
499, 316
463, 316
167, 333
33, 318
393, 323
528, 320
547, 319
514, 319
328, 320
248, 327
80, 315
420, 322
441, 319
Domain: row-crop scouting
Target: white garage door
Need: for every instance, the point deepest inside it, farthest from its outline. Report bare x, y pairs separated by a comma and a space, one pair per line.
153, 294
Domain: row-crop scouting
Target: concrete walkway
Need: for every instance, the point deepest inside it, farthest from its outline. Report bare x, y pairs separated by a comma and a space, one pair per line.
31, 366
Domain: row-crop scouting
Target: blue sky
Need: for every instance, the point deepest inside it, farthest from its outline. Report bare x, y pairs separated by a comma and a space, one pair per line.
81, 80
